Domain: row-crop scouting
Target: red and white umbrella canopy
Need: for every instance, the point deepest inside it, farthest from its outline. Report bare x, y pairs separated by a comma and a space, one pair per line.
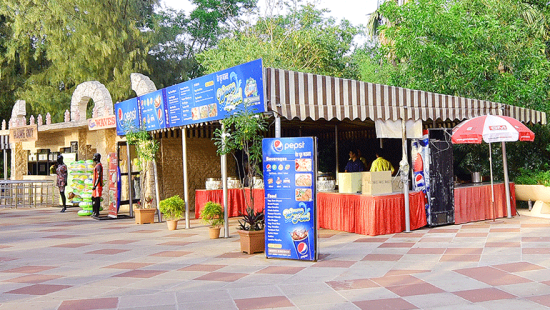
491, 128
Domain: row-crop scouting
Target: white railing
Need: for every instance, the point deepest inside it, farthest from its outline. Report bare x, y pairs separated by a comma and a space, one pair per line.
27, 193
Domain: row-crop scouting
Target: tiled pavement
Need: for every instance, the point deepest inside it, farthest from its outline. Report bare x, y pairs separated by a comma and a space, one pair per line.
51, 260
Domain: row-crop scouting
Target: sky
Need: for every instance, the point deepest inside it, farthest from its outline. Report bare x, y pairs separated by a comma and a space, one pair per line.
354, 10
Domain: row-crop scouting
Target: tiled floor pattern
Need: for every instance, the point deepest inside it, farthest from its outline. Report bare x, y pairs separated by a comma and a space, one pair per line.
50, 260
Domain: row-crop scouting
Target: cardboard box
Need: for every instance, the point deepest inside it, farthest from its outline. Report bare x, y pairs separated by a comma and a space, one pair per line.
349, 182
378, 182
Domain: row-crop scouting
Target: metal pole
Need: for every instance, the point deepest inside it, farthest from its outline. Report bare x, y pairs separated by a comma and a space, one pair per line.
5, 165
130, 182
157, 190
185, 177
506, 181
224, 185
336, 145
492, 189
277, 126
404, 165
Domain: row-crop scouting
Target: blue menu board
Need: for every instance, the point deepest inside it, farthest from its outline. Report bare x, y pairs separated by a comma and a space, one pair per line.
153, 110
217, 95
127, 116
289, 166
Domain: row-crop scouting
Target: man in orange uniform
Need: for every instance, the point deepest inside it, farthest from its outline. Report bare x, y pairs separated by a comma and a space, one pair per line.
97, 185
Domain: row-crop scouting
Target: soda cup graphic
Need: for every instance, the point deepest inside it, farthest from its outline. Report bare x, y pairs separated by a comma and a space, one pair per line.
301, 243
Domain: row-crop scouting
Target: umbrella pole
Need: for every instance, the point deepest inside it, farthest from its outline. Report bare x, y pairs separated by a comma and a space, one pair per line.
506, 181
492, 189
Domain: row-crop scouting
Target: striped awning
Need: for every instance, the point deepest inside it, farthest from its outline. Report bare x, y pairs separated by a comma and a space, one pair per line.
300, 95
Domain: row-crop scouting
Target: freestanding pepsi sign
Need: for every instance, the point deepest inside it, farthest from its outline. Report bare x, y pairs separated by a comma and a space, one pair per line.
289, 166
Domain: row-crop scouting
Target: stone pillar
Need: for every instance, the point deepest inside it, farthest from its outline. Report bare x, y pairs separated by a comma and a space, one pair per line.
82, 141
19, 161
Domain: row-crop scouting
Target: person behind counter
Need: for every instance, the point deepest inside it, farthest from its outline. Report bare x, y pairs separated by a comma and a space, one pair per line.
354, 164
381, 164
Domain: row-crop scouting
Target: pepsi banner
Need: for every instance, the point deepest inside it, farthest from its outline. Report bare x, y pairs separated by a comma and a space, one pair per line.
289, 166
127, 116
212, 97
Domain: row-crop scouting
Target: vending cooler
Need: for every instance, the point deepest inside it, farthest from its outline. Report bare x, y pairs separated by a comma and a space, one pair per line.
432, 165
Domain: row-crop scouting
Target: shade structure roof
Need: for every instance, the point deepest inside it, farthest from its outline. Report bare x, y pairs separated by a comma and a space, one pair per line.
297, 95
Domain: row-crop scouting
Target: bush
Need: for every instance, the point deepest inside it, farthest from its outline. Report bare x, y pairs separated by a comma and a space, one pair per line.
212, 214
172, 208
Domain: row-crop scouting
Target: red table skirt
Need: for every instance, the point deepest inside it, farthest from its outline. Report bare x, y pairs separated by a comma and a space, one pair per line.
473, 203
235, 199
370, 215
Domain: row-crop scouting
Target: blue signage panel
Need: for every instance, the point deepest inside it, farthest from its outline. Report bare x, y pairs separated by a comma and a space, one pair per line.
217, 95
212, 97
289, 166
153, 111
127, 116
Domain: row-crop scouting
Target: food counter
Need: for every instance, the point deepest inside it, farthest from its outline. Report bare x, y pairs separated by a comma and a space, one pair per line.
473, 202
235, 198
370, 215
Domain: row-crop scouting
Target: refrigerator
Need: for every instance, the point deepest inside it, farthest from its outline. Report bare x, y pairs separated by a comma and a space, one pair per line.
432, 172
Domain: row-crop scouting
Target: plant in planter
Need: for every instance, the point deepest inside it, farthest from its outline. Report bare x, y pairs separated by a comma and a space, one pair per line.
172, 208
472, 158
251, 231
244, 131
212, 214
146, 149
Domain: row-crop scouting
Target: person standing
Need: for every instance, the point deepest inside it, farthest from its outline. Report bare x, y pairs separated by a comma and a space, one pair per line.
97, 183
381, 164
354, 164
61, 172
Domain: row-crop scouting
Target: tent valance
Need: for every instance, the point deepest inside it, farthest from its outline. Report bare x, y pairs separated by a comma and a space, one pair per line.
301, 95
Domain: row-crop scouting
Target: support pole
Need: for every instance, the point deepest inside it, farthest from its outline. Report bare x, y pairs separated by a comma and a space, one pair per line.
506, 180
336, 145
492, 188
277, 126
130, 182
185, 177
5, 165
404, 166
224, 185
157, 190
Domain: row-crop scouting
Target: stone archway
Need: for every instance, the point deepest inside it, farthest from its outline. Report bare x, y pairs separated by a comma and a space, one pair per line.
142, 84
103, 102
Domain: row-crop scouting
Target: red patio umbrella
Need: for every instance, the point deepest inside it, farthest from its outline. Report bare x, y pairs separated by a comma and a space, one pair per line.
493, 128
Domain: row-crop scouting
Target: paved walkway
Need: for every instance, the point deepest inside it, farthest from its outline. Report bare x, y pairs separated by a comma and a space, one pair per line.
51, 260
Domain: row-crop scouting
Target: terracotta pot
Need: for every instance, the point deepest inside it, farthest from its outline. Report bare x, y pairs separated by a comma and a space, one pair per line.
252, 241
172, 225
145, 216
214, 232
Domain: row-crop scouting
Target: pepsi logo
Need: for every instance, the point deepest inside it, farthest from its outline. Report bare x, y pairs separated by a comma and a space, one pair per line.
418, 178
120, 114
277, 145
302, 248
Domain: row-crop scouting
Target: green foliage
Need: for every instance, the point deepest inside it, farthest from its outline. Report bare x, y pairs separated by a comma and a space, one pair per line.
303, 40
530, 177
212, 214
483, 49
56, 45
252, 220
172, 208
146, 146
472, 158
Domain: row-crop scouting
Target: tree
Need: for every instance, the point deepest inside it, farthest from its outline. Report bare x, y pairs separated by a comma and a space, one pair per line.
60, 44
484, 49
302, 40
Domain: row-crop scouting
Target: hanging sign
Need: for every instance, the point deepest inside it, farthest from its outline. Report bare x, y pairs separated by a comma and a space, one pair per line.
289, 166
102, 122
24, 133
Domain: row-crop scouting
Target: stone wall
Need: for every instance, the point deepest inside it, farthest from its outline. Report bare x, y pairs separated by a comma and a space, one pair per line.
202, 163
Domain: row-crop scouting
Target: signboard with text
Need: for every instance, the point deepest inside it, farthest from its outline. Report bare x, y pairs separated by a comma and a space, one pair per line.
289, 166
127, 116
102, 122
24, 133
113, 185
211, 97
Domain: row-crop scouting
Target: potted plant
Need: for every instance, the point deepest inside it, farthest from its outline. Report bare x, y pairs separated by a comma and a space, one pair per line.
146, 149
172, 208
243, 131
474, 159
533, 185
251, 231
212, 214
